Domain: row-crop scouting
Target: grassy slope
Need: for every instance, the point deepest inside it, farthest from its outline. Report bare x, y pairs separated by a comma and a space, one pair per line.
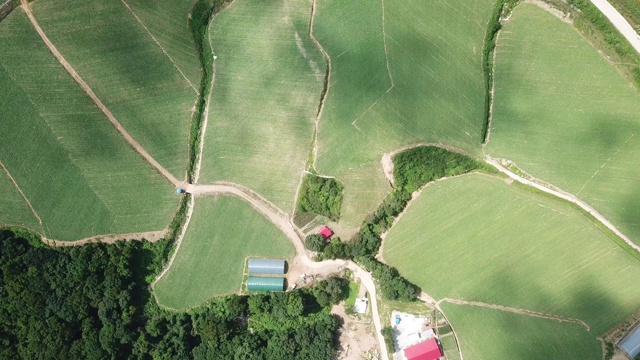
13, 208
80, 176
167, 21
264, 99
574, 124
107, 46
222, 233
435, 55
515, 248
493, 334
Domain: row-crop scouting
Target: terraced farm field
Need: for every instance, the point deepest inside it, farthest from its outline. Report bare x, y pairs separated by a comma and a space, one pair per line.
572, 123
80, 176
493, 334
223, 232
402, 72
127, 70
267, 86
515, 248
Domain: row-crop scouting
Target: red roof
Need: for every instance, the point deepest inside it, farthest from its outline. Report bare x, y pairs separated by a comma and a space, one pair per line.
427, 350
325, 231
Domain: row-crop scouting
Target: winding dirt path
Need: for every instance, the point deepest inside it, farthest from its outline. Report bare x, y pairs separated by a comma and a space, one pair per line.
87, 89
303, 256
536, 183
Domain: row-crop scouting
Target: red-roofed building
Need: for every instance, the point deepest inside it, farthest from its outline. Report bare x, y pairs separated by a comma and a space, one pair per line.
426, 350
325, 232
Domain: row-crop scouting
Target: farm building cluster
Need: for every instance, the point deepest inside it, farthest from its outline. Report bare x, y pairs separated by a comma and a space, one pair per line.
415, 338
268, 269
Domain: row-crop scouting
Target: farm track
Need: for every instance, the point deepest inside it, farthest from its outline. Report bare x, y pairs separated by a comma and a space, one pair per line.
6, 171
515, 310
160, 46
549, 189
87, 89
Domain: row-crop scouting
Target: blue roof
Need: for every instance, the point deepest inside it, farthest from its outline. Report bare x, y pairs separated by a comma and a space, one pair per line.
631, 343
267, 266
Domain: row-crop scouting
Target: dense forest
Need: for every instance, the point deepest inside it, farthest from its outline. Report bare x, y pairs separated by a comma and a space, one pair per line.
93, 302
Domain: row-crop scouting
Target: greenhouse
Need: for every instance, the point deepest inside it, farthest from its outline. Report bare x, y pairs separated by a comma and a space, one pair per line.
267, 266
256, 283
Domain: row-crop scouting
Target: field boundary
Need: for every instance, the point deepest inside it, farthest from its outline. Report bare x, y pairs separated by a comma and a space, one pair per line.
386, 56
159, 45
87, 89
516, 311
24, 197
325, 90
179, 239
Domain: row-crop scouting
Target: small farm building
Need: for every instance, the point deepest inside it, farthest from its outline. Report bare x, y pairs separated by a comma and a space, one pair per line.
631, 343
325, 232
426, 350
256, 283
360, 306
267, 266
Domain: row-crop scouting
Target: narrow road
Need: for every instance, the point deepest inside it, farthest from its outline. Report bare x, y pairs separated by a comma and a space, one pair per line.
87, 89
563, 195
281, 220
619, 22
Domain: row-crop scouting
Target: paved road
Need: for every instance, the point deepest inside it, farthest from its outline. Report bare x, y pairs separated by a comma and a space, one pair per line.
563, 195
619, 22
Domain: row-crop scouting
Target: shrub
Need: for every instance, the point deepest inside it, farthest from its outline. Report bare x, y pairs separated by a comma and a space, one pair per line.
418, 166
322, 196
315, 242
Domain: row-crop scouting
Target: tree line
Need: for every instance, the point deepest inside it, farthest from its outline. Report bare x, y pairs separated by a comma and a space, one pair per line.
94, 302
412, 170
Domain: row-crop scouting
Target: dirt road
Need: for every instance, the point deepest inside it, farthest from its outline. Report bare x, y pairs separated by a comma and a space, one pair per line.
563, 195
619, 22
87, 89
516, 311
303, 257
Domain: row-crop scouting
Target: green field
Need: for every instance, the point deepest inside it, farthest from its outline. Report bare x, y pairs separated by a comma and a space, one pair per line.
223, 232
265, 95
494, 334
450, 347
167, 22
127, 70
572, 123
476, 238
13, 208
434, 51
81, 177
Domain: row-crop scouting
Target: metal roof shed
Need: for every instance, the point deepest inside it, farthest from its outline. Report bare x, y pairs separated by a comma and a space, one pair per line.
267, 266
256, 283
631, 343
